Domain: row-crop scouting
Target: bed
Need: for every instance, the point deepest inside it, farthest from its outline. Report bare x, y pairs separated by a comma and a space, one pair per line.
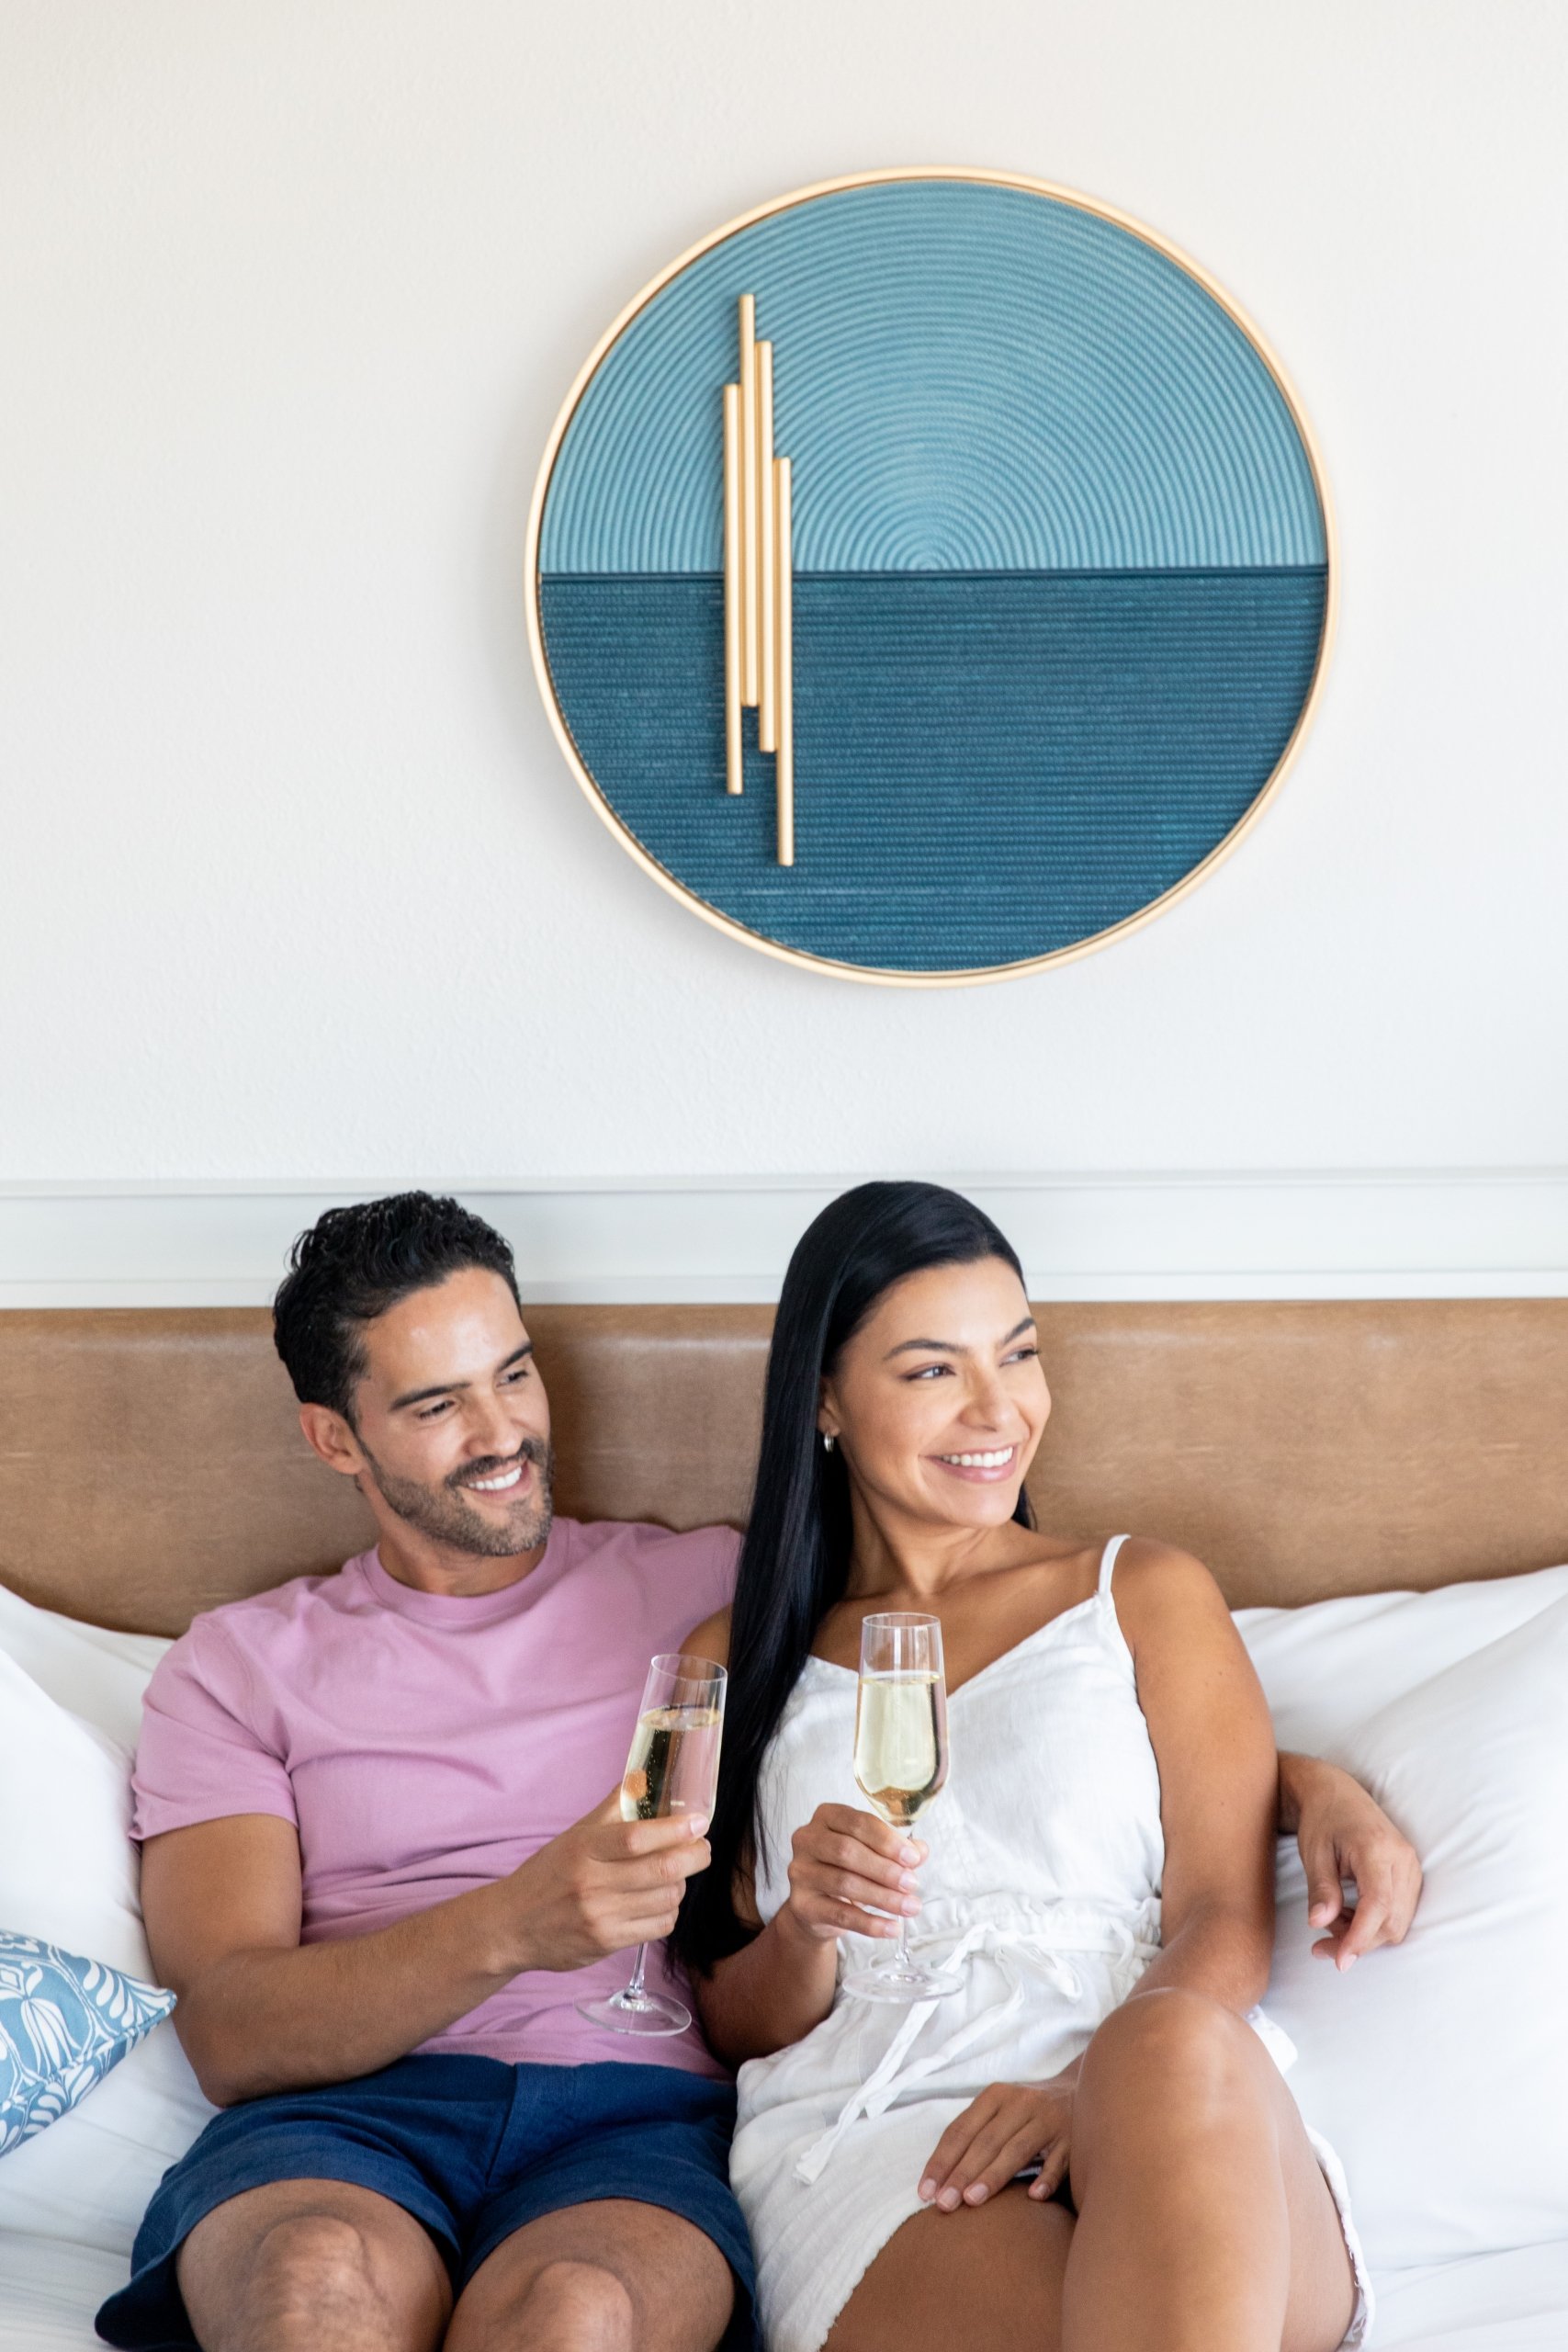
1382, 1489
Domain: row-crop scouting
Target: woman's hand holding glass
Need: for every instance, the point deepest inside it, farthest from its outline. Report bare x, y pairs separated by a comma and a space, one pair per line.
1009, 2128
850, 1874
900, 1764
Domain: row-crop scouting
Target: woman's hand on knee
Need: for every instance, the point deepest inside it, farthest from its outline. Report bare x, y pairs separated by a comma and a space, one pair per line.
1009, 2127
848, 1872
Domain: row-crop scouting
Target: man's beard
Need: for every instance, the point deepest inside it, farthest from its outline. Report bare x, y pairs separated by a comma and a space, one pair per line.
442, 1513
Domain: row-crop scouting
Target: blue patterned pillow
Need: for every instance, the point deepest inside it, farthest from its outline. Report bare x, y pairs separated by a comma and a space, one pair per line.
64, 2022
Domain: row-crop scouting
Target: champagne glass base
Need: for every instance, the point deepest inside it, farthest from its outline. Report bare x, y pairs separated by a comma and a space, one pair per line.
645, 2013
902, 1981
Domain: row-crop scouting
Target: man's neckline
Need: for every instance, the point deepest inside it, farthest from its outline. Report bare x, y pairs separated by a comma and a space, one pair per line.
466, 1608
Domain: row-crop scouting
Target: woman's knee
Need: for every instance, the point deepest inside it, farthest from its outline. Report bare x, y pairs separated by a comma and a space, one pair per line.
1175, 2056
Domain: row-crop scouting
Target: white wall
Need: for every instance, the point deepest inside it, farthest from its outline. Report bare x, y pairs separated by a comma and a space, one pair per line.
293, 887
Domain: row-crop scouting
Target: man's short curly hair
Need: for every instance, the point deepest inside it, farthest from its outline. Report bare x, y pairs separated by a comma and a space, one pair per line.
355, 1263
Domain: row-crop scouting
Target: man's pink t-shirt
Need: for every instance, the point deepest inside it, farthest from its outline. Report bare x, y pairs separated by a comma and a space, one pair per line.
423, 1745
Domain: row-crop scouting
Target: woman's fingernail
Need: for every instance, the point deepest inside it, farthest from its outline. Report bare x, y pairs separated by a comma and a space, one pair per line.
698, 1825
907, 1853
909, 1905
949, 2200
908, 1882
976, 2193
926, 2190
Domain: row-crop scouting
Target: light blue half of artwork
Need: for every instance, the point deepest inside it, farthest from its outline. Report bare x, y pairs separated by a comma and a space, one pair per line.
64, 2023
967, 378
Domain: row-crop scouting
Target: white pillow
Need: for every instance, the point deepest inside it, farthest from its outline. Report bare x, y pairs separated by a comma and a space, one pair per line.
67, 1870
1439, 2069
1329, 1665
68, 1874
96, 1673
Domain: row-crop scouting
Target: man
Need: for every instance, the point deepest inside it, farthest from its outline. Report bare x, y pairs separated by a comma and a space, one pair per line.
379, 1868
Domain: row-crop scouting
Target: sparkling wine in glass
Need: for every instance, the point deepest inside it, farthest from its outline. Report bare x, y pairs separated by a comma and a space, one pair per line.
900, 1764
673, 1767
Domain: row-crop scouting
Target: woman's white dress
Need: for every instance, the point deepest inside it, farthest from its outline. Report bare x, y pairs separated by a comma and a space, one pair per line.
1043, 1887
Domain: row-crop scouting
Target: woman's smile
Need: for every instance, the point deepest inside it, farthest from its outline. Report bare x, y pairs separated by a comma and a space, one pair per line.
984, 1469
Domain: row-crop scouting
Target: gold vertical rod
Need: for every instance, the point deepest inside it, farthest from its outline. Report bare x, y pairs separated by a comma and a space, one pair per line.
750, 665
767, 736
733, 755
783, 656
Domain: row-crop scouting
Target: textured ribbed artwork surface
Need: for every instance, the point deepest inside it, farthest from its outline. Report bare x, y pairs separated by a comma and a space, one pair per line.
970, 377
989, 767
1060, 575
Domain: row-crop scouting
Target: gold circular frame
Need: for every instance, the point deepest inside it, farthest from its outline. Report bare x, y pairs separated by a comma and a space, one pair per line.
878, 976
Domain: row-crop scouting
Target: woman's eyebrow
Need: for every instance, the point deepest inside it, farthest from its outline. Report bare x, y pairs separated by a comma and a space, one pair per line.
951, 1347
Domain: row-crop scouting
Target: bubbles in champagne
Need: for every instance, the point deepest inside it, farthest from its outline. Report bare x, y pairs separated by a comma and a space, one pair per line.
674, 1763
900, 1743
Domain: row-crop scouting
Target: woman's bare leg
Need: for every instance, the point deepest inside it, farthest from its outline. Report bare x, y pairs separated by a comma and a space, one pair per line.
989, 2275
1204, 2223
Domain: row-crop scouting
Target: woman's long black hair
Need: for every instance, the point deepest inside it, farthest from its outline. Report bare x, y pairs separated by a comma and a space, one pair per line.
795, 1562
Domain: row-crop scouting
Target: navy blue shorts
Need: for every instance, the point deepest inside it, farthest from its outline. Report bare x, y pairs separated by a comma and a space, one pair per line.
473, 2149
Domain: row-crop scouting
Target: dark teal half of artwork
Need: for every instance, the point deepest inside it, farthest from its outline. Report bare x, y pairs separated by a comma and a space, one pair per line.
989, 767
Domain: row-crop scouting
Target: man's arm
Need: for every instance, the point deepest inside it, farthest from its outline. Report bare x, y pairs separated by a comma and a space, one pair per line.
1344, 1833
260, 2012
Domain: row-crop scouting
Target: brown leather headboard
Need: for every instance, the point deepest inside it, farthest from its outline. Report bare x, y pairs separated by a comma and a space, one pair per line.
151, 1463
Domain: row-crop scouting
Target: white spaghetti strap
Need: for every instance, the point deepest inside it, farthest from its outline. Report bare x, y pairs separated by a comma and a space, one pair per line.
1108, 1562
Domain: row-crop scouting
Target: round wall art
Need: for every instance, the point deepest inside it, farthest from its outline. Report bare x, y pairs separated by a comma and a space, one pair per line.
930, 575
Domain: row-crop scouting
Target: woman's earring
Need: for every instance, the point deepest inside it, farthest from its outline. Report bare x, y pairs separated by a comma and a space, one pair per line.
829, 1441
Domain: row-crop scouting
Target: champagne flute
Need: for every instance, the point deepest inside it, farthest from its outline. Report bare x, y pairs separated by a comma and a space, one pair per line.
672, 1768
900, 1764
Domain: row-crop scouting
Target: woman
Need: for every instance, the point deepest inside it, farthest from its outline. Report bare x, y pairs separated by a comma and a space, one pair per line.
1091, 2143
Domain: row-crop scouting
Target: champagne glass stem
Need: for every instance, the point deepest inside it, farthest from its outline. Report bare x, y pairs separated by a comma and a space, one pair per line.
635, 1989
901, 1957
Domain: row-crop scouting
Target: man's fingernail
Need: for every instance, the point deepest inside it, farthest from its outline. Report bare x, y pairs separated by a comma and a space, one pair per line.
1319, 1914
927, 2190
949, 2200
976, 2193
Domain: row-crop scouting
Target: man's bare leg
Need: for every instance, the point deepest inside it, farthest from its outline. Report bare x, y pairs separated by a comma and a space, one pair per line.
610, 2276
313, 2266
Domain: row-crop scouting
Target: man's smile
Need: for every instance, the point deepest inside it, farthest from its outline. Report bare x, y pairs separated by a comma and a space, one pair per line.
500, 1483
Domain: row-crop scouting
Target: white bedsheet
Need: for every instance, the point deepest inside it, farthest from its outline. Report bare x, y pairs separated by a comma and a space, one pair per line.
1492, 2302
1489, 2302
48, 2291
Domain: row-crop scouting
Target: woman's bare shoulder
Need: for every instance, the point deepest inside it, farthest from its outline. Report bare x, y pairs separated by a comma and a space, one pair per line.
1158, 1585
710, 1639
